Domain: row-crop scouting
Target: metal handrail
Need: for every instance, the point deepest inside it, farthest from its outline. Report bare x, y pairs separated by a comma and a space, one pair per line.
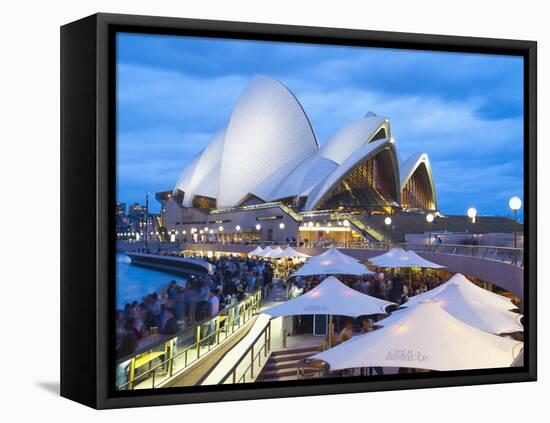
296, 216
509, 255
363, 226
168, 362
265, 348
489, 252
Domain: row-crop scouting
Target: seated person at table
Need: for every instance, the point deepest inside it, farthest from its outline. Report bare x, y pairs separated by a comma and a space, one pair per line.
347, 331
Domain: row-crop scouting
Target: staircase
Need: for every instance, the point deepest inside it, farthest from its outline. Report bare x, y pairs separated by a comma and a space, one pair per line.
283, 365
369, 233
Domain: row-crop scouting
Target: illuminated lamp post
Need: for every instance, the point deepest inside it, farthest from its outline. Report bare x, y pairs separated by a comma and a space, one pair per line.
472, 213
346, 224
387, 222
220, 230
515, 205
282, 228
429, 219
258, 228
238, 229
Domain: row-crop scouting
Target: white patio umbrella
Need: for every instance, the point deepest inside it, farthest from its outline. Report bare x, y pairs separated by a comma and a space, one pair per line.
388, 255
462, 303
333, 262
290, 252
489, 298
399, 258
417, 261
265, 251
273, 253
256, 251
331, 297
427, 337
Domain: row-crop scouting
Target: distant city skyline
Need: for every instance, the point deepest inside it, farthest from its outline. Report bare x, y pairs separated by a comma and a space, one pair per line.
464, 110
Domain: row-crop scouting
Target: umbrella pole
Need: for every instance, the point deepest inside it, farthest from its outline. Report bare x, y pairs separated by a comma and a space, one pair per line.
330, 330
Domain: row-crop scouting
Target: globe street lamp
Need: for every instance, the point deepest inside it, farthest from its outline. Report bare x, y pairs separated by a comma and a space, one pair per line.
515, 205
387, 221
429, 219
282, 227
258, 227
238, 229
346, 224
472, 213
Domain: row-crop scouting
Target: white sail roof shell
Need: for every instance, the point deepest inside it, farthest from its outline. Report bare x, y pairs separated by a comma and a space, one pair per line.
186, 175
409, 166
303, 177
363, 153
267, 130
267, 188
351, 137
269, 150
202, 176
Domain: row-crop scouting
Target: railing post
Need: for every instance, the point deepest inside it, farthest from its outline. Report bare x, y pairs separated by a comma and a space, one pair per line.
132, 373
217, 330
198, 341
171, 355
269, 335
252, 361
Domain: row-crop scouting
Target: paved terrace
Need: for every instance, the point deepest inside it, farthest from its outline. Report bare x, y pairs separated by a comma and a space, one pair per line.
500, 266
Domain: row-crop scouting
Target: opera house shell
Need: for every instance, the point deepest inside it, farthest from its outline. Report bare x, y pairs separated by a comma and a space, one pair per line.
269, 152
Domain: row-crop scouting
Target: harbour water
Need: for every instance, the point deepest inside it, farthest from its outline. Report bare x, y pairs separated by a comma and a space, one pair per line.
135, 282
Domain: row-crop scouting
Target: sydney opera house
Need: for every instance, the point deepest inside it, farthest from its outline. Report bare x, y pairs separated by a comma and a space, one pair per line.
268, 155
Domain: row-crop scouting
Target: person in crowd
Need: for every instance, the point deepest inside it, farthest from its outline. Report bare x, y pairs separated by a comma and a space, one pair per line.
172, 290
214, 302
171, 325
179, 305
155, 309
347, 331
129, 341
366, 327
250, 282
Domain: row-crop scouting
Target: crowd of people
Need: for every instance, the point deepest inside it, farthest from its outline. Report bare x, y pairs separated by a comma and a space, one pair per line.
182, 304
192, 300
394, 288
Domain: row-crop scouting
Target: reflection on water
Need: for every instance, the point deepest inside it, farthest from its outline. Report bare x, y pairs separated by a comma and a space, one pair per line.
135, 282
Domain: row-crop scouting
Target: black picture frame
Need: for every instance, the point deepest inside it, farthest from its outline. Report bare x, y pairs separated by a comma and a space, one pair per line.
88, 199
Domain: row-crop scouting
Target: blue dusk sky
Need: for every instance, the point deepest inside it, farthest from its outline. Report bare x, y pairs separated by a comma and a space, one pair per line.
465, 110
